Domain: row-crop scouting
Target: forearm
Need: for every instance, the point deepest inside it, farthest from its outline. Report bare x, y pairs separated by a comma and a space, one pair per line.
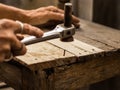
13, 13
38, 16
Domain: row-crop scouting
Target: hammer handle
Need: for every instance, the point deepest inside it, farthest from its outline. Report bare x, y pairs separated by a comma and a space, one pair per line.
68, 15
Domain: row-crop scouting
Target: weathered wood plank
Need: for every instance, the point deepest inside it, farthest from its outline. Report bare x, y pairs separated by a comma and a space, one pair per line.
70, 48
11, 75
86, 46
45, 55
42, 52
72, 77
30, 80
76, 47
93, 42
100, 33
55, 53
55, 65
46, 52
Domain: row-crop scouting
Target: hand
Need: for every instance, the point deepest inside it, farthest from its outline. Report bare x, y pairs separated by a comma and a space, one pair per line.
48, 16
10, 36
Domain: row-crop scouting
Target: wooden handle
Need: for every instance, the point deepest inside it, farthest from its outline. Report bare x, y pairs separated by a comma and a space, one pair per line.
68, 15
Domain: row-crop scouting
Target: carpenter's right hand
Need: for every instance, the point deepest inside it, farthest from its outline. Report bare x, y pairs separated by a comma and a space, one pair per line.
10, 36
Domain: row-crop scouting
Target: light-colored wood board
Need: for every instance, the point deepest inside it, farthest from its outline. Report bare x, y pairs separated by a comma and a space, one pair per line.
44, 52
69, 47
76, 47
86, 46
55, 53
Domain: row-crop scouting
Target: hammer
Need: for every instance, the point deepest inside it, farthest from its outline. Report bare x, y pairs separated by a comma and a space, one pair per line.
62, 31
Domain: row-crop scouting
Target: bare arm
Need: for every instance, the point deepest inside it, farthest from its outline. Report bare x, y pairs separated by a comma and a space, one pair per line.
36, 16
13, 13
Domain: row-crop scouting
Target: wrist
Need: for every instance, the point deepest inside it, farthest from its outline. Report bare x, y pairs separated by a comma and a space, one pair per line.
23, 16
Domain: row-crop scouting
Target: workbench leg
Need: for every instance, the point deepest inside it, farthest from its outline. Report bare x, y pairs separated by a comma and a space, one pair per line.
11, 75
34, 80
30, 80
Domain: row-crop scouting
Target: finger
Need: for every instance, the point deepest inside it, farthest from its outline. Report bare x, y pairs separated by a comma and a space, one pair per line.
75, 19
55, 16
20, 36
77, 25
2, 57
5, 50
30, 30
60, 17
21, 50
17, 47
54, 9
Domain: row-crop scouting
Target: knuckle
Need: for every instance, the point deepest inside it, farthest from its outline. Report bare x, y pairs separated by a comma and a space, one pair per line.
10, 37
1, 59
5, 48
46, 13
4, 20
7, 37
26, 28
24, 49
51, 6
5, 23
23, 52
19, 51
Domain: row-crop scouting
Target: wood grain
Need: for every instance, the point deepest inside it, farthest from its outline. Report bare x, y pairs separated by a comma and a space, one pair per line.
56, 65
72, 77
54, 52
45, 55
100, 33
76, 47
11, 74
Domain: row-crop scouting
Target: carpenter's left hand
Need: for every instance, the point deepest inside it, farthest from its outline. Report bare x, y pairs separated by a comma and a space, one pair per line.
48, 16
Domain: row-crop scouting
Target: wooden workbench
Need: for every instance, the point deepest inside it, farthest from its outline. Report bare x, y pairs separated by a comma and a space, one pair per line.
93, 56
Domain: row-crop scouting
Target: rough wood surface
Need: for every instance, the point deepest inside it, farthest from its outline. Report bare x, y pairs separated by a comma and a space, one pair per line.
76, 47
48, 66
108, 36
93, 34
72, 77
99, 36
56, 53
44, 55
30, 80
93, 42
11, 74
